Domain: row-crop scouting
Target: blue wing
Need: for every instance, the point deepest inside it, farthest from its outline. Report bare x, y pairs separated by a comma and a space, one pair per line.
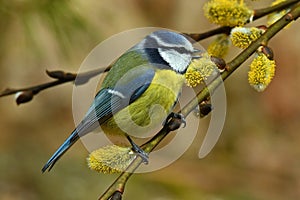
107, 102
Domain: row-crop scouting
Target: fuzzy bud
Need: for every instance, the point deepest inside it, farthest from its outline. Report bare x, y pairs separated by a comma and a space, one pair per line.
110, 159
199, 70
242, 37
262, 71
220, 46
227, 12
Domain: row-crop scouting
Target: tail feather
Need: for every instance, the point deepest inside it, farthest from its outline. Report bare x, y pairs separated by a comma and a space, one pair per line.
61, 150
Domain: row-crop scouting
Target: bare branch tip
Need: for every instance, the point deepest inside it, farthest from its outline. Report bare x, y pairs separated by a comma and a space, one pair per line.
6, 91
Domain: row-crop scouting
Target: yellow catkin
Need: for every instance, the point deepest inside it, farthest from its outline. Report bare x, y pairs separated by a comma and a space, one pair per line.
261, 73
242, 37
199, 70
227, 12
220, 46
110, 159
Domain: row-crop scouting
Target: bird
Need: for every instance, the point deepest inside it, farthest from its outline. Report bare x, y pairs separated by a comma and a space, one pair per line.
148, 74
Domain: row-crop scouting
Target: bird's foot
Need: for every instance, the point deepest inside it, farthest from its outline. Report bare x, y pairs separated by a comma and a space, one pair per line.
177, 116
140, 152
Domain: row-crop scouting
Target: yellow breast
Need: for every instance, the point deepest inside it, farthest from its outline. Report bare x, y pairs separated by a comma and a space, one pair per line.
149, 110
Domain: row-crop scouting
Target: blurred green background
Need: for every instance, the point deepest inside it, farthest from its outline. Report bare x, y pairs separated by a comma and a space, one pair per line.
257, 156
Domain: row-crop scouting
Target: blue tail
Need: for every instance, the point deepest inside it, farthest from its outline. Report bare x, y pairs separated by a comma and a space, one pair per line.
61, 150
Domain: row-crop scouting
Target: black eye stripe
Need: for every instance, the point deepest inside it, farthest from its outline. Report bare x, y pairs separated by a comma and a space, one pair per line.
152, 43
180, 50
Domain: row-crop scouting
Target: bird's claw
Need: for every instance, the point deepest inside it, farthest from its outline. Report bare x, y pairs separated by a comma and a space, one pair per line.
177, 116
140, 152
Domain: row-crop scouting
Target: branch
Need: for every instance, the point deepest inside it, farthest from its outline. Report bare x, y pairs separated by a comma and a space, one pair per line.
259, 13
27, 93
118, 186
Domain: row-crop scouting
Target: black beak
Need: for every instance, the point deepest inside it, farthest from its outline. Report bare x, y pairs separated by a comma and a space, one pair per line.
196, 53
197, 50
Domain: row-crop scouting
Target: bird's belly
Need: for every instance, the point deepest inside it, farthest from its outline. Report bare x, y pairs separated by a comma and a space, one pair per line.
150, 110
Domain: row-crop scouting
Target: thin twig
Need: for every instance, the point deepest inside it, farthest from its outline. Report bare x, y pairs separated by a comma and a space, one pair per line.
61, 78
201, 36
120, 182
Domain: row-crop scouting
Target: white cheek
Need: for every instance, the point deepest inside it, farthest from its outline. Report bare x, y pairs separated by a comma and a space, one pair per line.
177, 61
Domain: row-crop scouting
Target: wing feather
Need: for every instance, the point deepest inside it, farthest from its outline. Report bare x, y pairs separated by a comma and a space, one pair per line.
107, 102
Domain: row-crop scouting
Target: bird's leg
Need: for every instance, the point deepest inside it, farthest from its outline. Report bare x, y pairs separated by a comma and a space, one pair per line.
140, 152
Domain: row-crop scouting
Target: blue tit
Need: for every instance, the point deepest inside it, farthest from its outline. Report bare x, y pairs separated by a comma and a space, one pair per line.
150, 73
